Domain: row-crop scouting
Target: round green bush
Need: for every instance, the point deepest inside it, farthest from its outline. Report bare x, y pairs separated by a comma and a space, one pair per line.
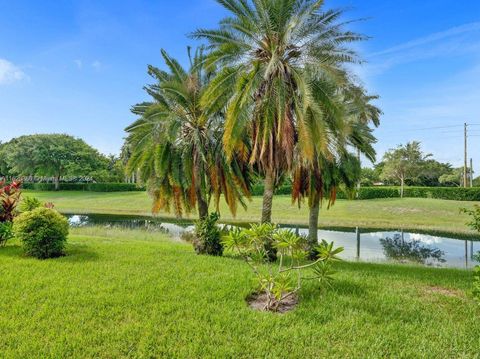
42, 231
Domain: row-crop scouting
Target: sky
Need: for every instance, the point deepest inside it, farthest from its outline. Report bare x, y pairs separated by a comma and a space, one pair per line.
77, 66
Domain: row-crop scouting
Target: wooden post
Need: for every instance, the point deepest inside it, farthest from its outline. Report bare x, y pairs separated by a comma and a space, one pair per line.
466, 254
357, 232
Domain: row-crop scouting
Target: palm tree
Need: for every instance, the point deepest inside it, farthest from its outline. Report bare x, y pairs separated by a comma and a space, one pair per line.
321, 181
271, 53
361, 110
176, 143
344, 126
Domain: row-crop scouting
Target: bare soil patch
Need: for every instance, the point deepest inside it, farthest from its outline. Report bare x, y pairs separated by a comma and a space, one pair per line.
257, 301
444, 291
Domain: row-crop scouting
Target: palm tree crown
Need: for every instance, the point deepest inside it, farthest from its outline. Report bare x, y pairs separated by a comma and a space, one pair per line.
176, 143
275, 57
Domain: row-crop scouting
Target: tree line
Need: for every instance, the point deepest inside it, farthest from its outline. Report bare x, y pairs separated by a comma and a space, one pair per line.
409, 165
57, 156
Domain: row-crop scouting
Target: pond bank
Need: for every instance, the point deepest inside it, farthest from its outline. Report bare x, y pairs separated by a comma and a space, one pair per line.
410, 214
362, 244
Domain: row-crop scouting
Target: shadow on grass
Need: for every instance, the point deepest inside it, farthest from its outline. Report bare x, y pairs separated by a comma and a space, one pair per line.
340, 287
348, 288
403, 271
12, 250
72, 254
79, 253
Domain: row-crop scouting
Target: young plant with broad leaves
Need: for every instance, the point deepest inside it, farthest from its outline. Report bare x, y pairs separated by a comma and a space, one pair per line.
175, 145
282, 279
274, 57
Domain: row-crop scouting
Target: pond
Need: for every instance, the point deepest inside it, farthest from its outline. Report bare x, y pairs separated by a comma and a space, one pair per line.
369, 246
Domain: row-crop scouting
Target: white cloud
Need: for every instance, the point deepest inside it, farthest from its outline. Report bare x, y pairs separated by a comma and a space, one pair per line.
442, 35
79, 63
10, 73
97, 65
456, 41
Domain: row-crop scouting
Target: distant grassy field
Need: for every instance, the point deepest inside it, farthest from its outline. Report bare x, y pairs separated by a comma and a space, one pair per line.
121, 293
420, 214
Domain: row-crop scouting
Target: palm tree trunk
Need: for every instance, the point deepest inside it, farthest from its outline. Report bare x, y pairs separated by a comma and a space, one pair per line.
269, 186
201, 201
314, 212
56, 180
360, 179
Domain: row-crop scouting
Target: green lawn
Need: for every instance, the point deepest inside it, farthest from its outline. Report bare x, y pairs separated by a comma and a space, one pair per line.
409, 213
139, 294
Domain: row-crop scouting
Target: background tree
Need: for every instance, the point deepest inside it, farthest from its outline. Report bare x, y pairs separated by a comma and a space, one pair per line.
404, 162
368, 176
272, 54
452, 178
476, 182
113, 171
52, 155
4, 169
431, 172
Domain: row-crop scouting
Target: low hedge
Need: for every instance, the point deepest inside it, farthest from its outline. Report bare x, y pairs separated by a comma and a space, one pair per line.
449, 193
452, 193
257, 189
92, 187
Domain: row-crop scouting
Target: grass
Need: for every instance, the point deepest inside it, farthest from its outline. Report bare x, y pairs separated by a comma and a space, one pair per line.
417, 214
140, 294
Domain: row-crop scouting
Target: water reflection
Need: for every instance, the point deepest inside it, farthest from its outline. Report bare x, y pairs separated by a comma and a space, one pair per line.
173, 228
371, 247
410, 251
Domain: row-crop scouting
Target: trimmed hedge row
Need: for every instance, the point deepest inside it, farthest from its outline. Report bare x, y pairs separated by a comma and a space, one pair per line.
453, 193
257, 189
92, 187
449, 193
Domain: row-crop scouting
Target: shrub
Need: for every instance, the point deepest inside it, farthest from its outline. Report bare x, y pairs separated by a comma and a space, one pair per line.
281, 280
5, 232
188, 236
42, 231
9, 199
29, 204
475, 217
208, 236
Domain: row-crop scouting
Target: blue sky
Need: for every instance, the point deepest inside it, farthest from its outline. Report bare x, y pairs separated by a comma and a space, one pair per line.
76, 67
